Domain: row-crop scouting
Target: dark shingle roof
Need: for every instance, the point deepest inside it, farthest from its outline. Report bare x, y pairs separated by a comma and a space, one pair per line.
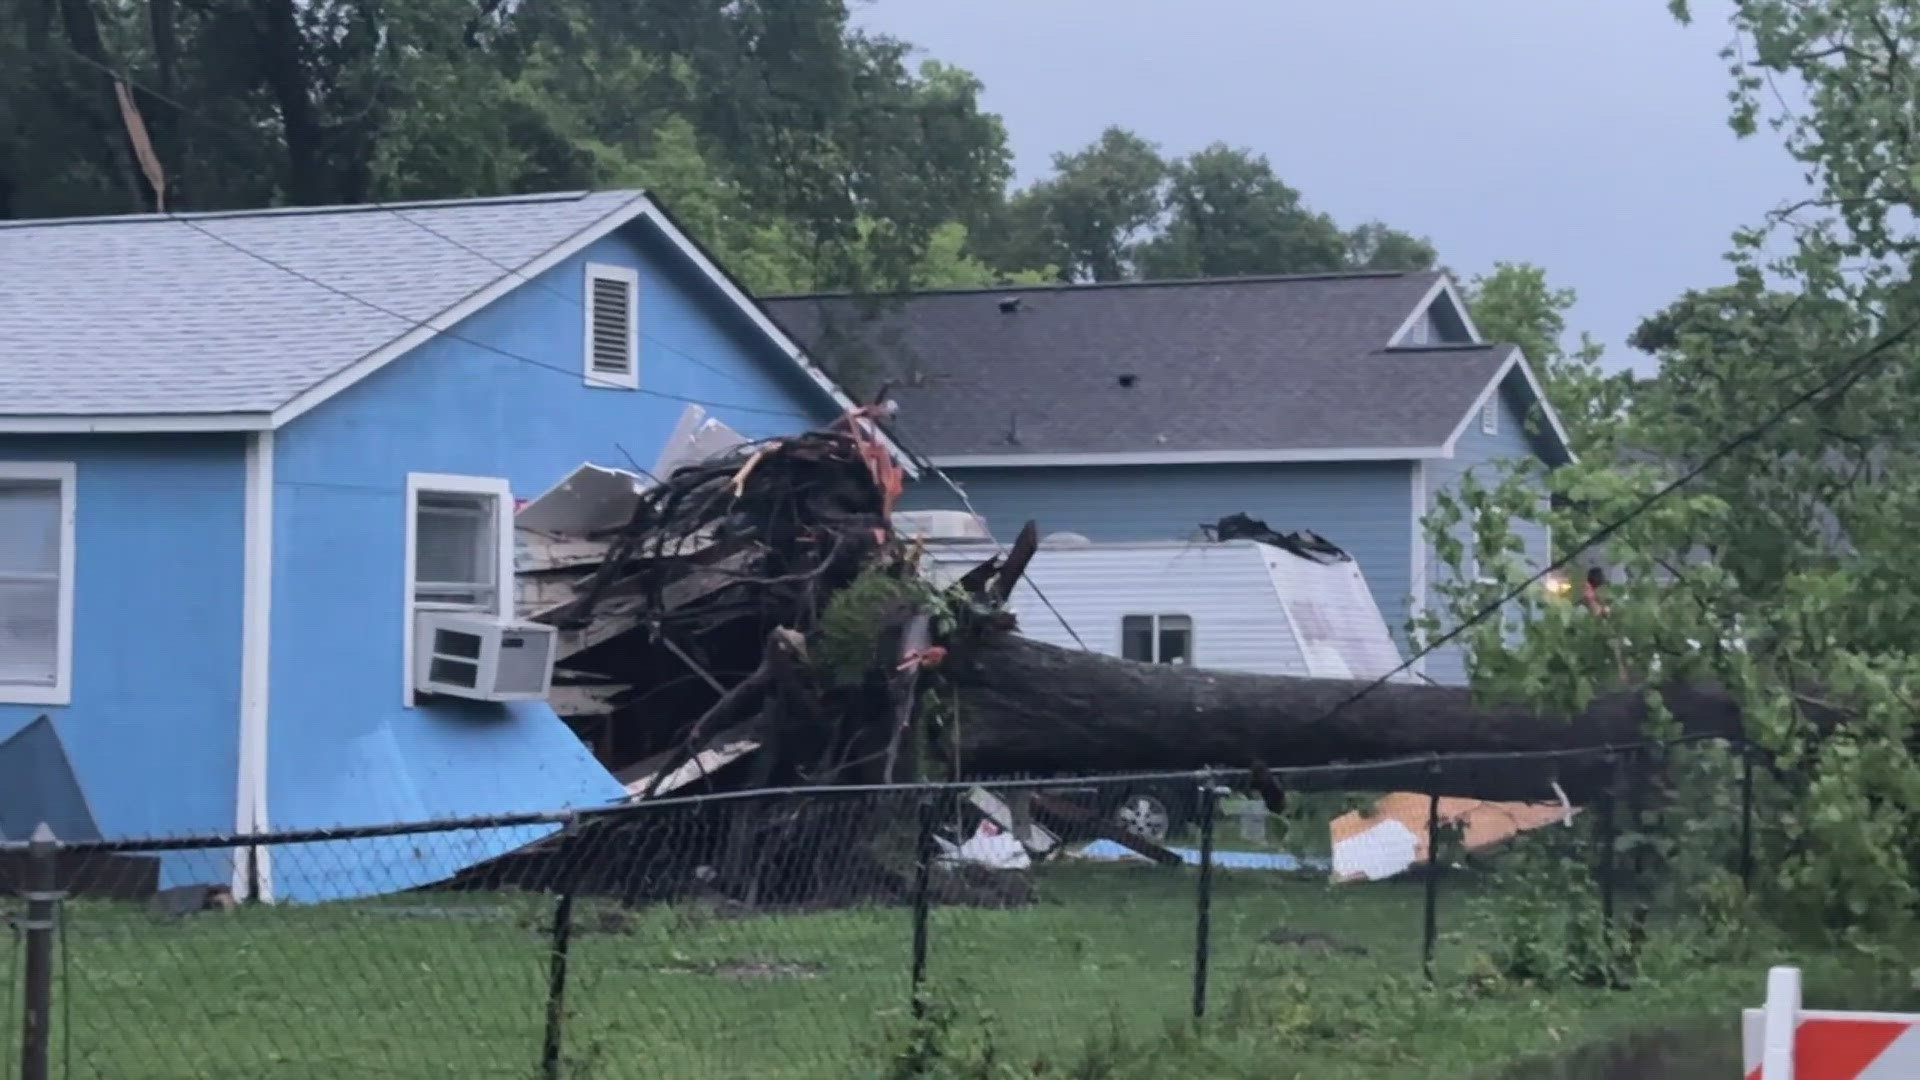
1293, 363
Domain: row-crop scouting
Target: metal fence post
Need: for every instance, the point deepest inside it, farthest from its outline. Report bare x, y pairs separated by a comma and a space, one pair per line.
1746, 816
1430, 931
41, 923
1202, 938
922, 875
551, 1049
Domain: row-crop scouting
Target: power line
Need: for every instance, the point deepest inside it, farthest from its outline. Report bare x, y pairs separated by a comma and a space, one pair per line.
427, 324
1839, 382
960, 493
415, 222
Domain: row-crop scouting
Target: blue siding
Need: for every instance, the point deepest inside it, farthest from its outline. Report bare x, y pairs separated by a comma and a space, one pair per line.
152, 730
343, 749
1365, 507
1479, 454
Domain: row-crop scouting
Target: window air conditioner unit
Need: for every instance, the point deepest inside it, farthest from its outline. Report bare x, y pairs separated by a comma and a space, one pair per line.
482, 657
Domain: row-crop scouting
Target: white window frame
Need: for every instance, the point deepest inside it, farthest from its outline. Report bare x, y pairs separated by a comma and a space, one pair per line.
630, 277
1156, 616
61, 692
447, 484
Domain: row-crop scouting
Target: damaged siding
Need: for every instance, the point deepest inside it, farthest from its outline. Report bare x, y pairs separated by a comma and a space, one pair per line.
1479, 454
152, 728
343, 748
1361, 506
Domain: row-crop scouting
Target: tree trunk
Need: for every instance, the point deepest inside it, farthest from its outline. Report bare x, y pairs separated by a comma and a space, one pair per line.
1030, 708
284, 68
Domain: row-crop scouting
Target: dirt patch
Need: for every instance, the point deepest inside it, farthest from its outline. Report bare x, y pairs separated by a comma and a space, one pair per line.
1308, 941
747, 969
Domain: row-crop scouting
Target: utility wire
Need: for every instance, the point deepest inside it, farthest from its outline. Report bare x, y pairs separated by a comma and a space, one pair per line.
960, 493
396, 211
427, 324
1842, 380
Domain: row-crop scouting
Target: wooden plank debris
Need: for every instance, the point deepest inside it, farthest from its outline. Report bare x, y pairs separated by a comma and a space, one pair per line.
723, 749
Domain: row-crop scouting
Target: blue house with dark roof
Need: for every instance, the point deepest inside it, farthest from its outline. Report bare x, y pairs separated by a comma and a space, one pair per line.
243, 456
1339, 403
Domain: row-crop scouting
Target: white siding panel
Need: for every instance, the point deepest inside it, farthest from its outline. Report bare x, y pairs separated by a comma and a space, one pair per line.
1238, 623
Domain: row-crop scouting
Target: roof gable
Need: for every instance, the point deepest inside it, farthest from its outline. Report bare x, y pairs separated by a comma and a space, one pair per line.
1244, 369
244, 321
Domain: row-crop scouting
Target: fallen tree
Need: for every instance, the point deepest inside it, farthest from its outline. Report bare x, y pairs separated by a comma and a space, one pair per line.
756, 606
1038, 708
751, 621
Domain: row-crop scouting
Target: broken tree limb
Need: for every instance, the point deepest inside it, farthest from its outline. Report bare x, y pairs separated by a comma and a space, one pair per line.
736, 702
1036, 708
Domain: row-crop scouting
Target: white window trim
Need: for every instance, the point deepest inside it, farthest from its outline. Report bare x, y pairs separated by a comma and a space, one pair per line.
1417, 569
1156, 616
444, 483
61, 692
631, 278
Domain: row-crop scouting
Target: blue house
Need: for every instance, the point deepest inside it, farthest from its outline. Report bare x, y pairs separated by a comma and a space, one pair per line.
1339, 403
240, 454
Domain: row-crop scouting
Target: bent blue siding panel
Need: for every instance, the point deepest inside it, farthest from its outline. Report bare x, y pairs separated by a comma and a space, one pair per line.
152, 729
1482, 456
1365, 507
343, 749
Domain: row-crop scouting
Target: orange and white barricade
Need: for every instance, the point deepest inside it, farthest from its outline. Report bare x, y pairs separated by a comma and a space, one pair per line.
1785, 1042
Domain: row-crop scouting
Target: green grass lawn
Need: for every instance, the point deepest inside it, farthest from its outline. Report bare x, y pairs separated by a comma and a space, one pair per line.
454, 985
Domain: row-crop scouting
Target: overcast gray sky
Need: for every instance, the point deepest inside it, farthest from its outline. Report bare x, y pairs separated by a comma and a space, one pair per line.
1588, 136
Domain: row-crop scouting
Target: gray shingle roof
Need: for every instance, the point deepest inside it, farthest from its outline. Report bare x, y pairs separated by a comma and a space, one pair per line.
149, 315
1276, 364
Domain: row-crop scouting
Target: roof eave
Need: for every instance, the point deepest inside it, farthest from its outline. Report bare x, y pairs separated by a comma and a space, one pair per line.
1189, 457
134, 423
1516, 361
640, 207
1442, 287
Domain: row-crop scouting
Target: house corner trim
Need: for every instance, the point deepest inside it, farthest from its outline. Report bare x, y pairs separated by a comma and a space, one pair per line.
252, 868
1417, 557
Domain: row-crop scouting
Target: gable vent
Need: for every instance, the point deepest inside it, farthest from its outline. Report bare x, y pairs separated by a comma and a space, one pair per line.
612, 304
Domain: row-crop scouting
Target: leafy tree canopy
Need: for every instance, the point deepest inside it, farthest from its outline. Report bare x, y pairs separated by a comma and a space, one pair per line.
1784, 569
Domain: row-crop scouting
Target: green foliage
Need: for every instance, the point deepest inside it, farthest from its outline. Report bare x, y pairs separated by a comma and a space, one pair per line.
776, 130
1784, 572
847, 647
1544, 920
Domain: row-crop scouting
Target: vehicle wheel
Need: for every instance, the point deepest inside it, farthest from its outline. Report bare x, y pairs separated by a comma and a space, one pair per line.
1143, 814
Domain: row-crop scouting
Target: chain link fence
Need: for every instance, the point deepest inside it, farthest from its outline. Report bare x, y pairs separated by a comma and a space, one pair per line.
835, 932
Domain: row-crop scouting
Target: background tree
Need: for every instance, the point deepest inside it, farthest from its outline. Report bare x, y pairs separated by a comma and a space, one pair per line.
1228, 214
1088, 218
783, 131
1376, 246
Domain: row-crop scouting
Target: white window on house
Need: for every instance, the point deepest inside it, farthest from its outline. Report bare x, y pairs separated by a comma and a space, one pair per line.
1157, 639
1490, 416
36, 582
459, 549
612, 326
